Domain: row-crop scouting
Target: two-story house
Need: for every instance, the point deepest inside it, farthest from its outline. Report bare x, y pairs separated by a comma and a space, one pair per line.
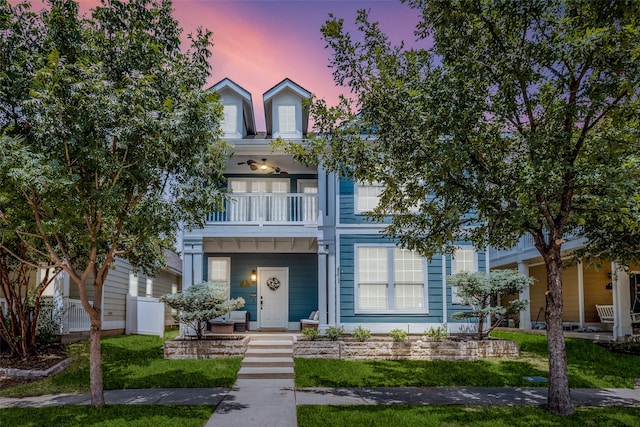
295, 239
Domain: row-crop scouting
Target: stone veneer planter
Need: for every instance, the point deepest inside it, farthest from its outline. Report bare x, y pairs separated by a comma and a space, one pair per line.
409, 350
208, 348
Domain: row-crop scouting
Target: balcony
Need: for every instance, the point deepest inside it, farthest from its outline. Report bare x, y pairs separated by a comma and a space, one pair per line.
526, 249
268, 209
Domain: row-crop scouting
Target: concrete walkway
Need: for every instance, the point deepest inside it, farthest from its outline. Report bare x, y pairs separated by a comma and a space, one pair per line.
278, 392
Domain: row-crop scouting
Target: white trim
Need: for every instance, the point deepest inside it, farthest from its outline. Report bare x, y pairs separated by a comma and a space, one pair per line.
284, 291
356, 195
390, 282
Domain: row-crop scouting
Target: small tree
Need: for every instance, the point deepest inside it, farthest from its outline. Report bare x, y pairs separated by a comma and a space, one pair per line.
480, 290
201, 302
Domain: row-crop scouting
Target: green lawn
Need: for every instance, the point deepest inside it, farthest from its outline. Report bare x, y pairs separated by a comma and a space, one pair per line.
589, 365
133, 361
109, 415
453, 415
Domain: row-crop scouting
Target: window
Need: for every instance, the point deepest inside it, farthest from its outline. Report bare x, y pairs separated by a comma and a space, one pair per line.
464, 259
149, 287
220, 271
390, 279
133, 284
230, 119
287, 118
367, 196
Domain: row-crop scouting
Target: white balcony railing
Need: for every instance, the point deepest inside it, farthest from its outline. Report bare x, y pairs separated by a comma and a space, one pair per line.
274, 208
526, 244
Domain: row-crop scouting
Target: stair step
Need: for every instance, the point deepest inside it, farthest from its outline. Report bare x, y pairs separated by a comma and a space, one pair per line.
268, 352
270, 362
265, 373
271, 344
272, 337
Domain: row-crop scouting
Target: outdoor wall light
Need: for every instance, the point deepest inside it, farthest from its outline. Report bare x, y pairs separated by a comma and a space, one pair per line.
254, 276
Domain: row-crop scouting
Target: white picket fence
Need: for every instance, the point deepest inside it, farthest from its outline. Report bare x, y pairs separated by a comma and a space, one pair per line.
75, 318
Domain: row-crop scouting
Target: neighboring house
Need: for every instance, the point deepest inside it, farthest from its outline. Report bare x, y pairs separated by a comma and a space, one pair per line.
583, 287
294, 239
129, 304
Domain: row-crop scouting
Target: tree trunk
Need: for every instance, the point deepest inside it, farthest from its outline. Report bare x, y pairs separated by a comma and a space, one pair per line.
559, 399
95, 362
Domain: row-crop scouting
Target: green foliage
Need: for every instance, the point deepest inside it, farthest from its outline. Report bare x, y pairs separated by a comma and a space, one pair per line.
360, 334
311, 333
111, 415
437, 334
398, 335
334, 333
459, 415
109, 141
132, 362
481, 290
201, 302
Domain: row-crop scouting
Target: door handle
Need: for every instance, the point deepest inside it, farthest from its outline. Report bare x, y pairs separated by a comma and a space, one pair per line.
261, 301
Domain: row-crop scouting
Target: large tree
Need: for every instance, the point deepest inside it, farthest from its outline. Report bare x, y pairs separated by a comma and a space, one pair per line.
110, 141
508, 118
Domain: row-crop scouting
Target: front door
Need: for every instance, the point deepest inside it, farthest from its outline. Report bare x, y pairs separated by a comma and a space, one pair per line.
273, 289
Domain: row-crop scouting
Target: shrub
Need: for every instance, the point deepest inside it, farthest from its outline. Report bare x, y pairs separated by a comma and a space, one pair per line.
398, 335
436, 334
334, 333
311, 333
361, 334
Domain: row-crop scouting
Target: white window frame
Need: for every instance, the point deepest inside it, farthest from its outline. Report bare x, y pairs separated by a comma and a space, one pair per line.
228, 278
356, 195
391, 293
454, 294
149, 287
133, 283
288, 112
229, 119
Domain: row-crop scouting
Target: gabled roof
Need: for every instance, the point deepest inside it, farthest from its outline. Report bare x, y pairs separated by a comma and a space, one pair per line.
286, 84
247, 102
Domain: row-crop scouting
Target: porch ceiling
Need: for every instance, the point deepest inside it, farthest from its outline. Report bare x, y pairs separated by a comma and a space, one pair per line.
260, 244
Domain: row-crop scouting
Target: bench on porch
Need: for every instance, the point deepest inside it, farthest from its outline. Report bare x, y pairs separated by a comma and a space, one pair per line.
605, 312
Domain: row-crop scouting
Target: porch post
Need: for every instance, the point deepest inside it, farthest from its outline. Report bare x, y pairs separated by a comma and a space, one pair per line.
322, 283
621, 303
581, 294
525, 315
191, 270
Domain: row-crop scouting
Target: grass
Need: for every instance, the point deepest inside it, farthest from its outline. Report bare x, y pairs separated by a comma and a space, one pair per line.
133, 361
589, 366
109, 415
453, 415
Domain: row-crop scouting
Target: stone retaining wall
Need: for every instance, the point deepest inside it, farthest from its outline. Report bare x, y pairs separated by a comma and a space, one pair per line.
205, 349
410, 350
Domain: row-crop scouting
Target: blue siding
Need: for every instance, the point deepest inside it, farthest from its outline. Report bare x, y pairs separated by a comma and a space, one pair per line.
303, 279
347, 212
434, 286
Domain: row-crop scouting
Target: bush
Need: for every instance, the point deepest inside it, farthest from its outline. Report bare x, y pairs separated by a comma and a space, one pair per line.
311, 333
436, 334
361, 334
334, 333
398, 335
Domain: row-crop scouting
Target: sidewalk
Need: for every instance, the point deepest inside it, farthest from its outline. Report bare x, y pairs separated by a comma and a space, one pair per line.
338, 396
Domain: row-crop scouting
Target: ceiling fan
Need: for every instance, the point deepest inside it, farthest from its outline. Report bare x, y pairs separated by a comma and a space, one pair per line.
263, 166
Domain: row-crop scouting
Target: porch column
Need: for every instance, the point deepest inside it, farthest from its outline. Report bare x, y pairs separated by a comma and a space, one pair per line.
322, 283
581, 294
525, 315
191, 270
621, 303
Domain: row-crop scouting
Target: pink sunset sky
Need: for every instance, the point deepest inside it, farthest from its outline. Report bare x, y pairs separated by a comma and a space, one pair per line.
259, 43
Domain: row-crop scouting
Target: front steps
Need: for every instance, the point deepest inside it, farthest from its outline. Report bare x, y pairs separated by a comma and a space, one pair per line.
268, 357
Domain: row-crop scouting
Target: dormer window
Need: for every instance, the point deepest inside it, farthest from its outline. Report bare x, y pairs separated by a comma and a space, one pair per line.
287, 118
230, 119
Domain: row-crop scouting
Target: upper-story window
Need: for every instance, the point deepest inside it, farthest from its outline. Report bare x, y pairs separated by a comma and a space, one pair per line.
368, 196
287, 118
230, 119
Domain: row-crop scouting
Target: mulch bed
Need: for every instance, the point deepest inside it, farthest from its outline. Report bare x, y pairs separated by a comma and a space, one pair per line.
41, 362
